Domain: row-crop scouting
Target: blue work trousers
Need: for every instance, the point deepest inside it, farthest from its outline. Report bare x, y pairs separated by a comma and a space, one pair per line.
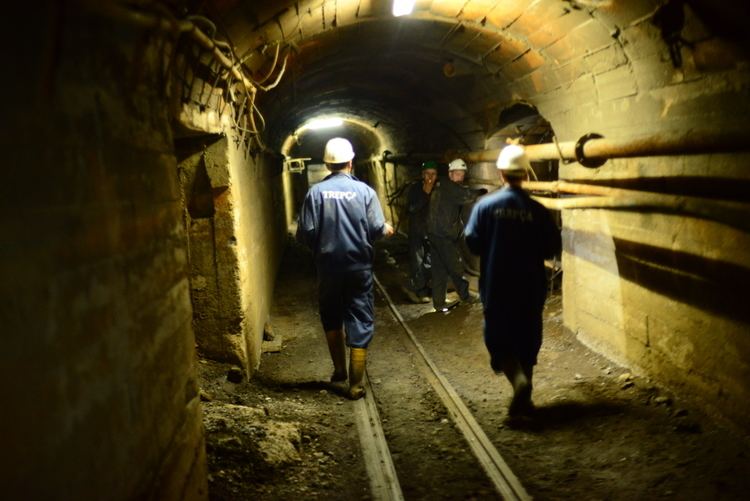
346, 300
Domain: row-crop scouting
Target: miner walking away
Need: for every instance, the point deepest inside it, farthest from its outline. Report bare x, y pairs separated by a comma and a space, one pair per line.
513, 235
340, 219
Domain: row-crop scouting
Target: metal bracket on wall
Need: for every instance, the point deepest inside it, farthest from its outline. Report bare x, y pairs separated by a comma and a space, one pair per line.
295, 165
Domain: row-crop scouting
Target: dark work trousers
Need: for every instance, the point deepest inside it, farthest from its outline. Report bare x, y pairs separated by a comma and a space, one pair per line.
513, 331
446, 262
418, 249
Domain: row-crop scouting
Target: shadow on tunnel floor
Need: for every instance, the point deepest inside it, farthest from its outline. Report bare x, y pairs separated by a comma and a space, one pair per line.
559, 415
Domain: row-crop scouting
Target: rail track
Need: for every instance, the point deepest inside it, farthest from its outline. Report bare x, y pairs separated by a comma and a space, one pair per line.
384, 482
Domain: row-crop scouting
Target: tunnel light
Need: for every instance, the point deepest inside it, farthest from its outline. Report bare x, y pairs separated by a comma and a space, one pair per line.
323, 123
402, 7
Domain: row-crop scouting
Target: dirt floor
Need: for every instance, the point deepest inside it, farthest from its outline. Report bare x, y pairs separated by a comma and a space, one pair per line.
599, 431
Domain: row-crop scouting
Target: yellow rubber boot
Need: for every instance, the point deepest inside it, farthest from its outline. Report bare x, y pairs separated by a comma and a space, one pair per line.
357, 363
337, 348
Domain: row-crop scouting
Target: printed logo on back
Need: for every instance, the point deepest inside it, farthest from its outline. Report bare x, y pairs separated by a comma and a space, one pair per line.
339, 195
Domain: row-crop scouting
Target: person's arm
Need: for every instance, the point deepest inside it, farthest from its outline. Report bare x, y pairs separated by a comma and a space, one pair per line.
462, 195
552, 237
376, 225
417, 199
472, 232
307, 233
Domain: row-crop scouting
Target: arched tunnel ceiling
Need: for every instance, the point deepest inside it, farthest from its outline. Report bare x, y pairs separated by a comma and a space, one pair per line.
353, 58
388, 80
385, 72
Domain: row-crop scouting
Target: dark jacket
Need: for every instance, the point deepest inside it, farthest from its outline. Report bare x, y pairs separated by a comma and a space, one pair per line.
340, 219
444, 218
512, 234
417, 205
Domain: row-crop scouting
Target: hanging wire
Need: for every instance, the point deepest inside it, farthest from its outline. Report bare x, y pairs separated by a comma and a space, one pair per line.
273, 64
278, 76
203, 32
559, 151
196, 19
533, 173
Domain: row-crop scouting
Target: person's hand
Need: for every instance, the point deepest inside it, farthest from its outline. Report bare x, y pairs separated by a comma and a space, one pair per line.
388, 230
427, 185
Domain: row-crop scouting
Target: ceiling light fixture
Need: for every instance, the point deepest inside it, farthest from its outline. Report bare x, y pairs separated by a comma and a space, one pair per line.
402, 7
323, 123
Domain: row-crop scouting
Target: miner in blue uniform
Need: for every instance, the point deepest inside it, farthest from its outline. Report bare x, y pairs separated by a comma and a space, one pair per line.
444, 230
340, 219
513, 235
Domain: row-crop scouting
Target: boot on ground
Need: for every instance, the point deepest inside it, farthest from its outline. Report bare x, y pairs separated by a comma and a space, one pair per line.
357, 363
337, 348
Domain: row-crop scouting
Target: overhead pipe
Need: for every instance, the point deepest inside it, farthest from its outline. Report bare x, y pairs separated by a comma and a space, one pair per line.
605, 197
592, 150
411, 157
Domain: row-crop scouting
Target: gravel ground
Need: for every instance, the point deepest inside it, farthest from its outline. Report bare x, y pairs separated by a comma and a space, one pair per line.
600, 432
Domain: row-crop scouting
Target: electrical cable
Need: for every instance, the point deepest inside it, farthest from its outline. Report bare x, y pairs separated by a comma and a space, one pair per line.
202, 19
273, 64
266, 88
162, 18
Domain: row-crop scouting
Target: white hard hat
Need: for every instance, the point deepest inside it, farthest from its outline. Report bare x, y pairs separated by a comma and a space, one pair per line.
513, 159
457, 164
338, 151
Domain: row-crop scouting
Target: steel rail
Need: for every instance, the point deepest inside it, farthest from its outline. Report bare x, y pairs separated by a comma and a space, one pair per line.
502, 477
384, 484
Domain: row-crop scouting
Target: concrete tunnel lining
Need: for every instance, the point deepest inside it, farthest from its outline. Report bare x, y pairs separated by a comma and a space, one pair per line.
367, 140
97, 271
401, 90
585, 67
520, 50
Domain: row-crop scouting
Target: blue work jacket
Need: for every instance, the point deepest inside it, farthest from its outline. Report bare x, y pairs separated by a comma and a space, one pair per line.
512, 234
340, 219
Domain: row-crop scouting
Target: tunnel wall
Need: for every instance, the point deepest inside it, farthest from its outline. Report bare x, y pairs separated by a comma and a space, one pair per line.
384, 178
98, 360
215, 288
657, 291
654, 290
236, 215
260, 229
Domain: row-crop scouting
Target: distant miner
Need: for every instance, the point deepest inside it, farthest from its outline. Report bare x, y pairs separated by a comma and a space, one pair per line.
418, 206
444, 228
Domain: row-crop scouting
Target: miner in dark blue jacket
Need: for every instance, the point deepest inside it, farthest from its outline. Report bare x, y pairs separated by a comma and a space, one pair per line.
513, 235
340, 219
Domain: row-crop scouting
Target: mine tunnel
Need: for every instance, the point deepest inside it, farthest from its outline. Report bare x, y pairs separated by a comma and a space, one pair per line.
158, 155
